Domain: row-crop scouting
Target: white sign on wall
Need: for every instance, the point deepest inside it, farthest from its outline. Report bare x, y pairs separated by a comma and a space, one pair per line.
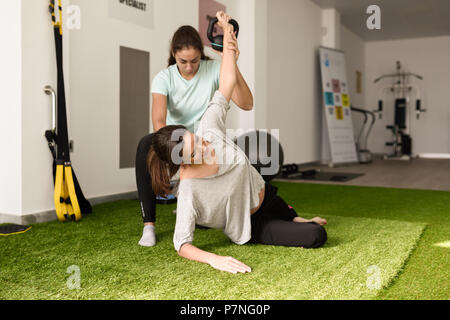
336, 107
139, 12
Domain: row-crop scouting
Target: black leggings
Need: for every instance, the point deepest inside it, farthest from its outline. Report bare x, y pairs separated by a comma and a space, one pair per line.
144, 185
272, 224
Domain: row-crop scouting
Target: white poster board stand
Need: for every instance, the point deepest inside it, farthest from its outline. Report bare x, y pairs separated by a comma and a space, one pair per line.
338, 143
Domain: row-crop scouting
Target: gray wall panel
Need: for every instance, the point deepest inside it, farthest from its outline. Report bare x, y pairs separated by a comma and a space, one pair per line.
134, 102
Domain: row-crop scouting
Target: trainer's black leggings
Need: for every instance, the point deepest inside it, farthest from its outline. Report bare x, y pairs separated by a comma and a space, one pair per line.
144, 185
272, 224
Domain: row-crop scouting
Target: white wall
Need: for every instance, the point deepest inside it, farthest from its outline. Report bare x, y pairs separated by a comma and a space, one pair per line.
10, 107
331, 36
428, 57
293, 83
355, 53
354, 48
244, 13
261, 64
331, 28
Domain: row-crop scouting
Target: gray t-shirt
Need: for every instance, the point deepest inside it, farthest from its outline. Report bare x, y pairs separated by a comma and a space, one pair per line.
223, 200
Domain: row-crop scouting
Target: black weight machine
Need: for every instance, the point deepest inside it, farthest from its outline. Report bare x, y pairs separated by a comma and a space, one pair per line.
402, 90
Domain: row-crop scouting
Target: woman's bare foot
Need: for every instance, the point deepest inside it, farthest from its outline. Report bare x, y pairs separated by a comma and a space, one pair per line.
317, 220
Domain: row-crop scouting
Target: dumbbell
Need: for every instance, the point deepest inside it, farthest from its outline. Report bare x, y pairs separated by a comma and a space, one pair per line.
217, 40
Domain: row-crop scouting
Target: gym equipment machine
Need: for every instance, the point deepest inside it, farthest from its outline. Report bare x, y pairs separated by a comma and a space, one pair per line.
217, 40
68, 196
402, 90
364, 155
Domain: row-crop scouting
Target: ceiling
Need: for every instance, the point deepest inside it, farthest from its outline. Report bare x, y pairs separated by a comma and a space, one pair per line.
400, 19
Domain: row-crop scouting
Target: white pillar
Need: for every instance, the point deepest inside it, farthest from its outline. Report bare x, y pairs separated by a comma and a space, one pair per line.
27, 65
261, 65
246, 61
11, 108
331, 38
331, 28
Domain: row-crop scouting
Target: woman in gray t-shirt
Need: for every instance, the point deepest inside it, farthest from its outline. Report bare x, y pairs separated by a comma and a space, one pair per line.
219, 188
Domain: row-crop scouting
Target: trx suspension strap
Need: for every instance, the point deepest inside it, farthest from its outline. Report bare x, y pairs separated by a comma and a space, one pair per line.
68, 197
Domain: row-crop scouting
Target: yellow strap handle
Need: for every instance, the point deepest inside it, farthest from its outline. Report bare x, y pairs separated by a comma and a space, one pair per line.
65, 189
59, 193
74, 208
52, 11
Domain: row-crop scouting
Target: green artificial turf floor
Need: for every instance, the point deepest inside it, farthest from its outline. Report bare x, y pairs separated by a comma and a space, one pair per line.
383, 244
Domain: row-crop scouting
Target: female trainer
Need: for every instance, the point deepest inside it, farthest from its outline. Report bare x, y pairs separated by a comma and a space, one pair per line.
181, 94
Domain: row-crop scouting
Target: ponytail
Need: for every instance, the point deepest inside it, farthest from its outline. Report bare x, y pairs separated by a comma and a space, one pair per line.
160, 165
158, 173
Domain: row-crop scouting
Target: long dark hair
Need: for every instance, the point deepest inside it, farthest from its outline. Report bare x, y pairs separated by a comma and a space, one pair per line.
160, 164
186, 37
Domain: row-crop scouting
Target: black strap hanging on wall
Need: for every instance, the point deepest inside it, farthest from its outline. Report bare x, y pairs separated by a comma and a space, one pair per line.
68, 196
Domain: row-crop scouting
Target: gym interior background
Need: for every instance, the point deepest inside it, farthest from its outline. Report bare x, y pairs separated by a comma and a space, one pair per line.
279, 43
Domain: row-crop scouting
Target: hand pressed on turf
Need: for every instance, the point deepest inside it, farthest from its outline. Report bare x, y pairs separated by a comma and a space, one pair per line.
229, 264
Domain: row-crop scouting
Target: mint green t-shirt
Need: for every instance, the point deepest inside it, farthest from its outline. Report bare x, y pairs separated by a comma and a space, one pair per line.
187, 100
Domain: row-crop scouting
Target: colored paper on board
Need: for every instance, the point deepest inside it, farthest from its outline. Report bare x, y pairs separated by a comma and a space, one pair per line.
337, 99
336, 85
345, 100
329, 99
339, 113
